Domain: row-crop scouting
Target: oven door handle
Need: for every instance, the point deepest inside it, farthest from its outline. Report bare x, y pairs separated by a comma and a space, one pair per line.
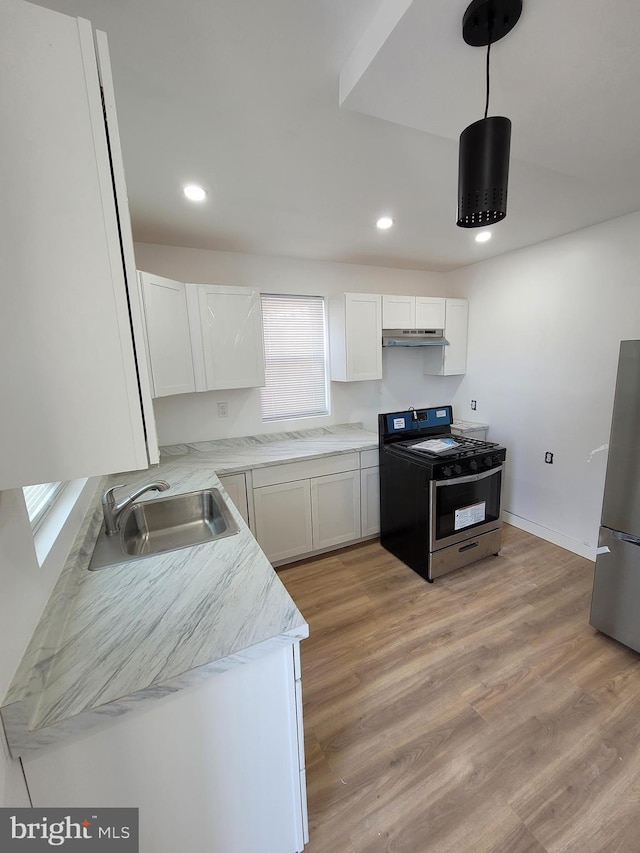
472, 478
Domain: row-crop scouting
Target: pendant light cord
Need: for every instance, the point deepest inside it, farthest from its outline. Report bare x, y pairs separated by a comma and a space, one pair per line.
486, 106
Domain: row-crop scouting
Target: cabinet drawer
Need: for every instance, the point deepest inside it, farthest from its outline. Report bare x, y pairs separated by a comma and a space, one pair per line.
273, 474
369, 459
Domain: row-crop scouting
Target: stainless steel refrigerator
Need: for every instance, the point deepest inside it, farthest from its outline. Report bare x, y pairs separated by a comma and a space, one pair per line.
615, 603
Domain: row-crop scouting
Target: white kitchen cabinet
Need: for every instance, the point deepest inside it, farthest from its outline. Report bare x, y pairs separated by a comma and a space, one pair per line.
213, 767
452, 359
370, 501
335, 509
235, 486
355, 331
412, 312
430, 312
226, 330
307, 506
283, 519
71, 400
167, 335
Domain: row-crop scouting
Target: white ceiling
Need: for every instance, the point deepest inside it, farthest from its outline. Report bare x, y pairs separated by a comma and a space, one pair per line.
242, 96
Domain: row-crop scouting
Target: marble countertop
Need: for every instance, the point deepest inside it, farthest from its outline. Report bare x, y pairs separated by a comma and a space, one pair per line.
227, 456
113, 639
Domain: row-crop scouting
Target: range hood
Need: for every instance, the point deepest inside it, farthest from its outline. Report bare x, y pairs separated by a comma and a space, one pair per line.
414, 338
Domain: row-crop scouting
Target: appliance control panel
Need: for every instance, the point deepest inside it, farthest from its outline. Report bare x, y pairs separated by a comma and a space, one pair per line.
400, 422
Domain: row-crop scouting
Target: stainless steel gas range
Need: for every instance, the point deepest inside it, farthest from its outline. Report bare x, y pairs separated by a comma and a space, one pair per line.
440, 494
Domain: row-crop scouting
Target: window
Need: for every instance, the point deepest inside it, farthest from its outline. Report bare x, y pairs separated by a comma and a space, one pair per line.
295, 357
40, 499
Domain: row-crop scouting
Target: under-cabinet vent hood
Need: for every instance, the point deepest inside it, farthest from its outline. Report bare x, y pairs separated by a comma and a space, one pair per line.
414, 338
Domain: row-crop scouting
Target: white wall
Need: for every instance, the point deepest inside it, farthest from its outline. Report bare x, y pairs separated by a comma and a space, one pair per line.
545, 328
25, 588
193, 417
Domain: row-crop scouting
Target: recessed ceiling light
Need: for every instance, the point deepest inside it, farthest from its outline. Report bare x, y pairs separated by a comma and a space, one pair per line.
194, 193
483, 236
384, 222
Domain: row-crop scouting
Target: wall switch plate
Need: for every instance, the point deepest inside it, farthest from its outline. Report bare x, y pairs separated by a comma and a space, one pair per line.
223, 410
548, 457
474, 405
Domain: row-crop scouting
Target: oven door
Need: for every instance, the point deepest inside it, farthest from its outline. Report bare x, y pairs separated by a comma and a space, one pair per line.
464, 506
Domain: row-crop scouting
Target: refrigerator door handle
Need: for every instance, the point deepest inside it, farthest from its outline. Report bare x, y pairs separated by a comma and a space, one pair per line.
626, 537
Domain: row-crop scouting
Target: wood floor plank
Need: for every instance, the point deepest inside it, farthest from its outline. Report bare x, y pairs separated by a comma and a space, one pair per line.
478, 714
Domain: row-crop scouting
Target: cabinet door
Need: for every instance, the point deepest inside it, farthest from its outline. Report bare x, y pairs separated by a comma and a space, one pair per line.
452, 359
363, 336
236, 487
168, 336
430, 312
455, 355
230, 322
370, 501
398, 312
283, 519
69, 387
335, 509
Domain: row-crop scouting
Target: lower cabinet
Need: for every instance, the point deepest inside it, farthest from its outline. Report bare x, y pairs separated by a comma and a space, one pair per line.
214, 767
296, 513
283, 519
335, 509
370, 501
236, 487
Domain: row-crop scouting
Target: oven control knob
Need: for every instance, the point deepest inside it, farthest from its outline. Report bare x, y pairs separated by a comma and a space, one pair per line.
457, 469
473, 465
488, 461
446, 471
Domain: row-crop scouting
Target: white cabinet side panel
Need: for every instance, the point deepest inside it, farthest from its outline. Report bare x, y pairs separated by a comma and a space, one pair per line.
66, 385
211, 768
236, 487
126, 240
370, 501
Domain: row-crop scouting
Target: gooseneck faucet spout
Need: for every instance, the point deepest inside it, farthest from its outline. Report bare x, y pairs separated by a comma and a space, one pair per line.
112, 510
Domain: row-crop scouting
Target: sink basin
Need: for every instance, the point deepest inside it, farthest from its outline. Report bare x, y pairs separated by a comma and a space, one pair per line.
165, 524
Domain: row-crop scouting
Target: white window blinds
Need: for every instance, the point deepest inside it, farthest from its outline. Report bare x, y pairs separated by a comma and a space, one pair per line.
295, 357
40, 499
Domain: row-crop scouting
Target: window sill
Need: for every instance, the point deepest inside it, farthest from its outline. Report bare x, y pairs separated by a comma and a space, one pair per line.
55, 536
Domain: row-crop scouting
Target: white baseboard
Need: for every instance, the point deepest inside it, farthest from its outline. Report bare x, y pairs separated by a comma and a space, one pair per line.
566, 542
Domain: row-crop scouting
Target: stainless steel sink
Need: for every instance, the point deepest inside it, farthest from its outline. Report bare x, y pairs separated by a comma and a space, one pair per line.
165, 524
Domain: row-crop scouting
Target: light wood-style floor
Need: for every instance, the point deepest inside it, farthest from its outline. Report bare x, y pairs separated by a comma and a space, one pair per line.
479, 713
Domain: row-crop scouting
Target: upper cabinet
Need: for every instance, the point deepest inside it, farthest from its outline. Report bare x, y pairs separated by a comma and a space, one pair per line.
413, 312
168, 337
355, 330
226, 332
452, 359
69, 387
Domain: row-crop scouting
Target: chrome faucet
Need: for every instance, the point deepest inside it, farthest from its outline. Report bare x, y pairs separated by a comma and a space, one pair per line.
112, 510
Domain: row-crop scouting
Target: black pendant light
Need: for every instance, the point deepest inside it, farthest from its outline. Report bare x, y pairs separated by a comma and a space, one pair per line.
483, 167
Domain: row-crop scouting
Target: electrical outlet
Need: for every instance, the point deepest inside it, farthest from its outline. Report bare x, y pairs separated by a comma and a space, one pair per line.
474, 405
223, 410
548, 457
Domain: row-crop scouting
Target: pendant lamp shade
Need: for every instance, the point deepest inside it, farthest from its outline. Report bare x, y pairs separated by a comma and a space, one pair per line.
483, 172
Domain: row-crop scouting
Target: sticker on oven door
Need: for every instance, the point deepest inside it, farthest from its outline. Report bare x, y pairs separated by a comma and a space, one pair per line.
470, 515
399, 423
